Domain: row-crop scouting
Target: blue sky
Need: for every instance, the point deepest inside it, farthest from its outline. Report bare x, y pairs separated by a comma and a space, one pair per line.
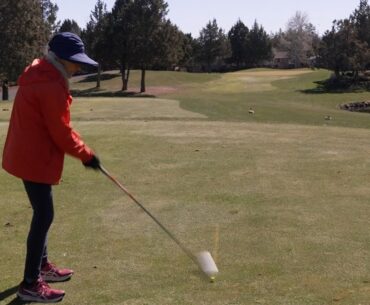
192, 15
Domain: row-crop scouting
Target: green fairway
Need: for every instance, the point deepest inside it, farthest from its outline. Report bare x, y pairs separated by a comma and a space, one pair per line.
279, 197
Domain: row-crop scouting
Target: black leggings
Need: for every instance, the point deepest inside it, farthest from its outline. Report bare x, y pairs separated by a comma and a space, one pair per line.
41, 198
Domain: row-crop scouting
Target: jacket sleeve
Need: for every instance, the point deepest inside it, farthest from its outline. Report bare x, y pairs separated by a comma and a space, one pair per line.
54, 103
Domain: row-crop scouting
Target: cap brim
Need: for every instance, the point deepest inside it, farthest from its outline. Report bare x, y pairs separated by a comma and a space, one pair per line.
82, 58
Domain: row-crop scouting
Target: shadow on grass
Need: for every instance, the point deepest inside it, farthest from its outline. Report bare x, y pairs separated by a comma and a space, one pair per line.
94, 77
7, 293
328, 86
17, 301
96, 92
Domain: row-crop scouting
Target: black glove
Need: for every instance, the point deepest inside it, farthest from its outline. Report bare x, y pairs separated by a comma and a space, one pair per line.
94, 163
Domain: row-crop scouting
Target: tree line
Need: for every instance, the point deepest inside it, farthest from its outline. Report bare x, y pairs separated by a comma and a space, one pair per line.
345, 49
136, 34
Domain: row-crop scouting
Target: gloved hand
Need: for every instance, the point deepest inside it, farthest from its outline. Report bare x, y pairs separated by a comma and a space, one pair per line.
93, 163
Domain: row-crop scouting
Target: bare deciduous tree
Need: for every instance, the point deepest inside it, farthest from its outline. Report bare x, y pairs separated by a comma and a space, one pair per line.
299, 39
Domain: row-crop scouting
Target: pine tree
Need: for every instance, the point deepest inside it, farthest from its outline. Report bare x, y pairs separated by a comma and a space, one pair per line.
361, 20
238, 35
259, 45
346, 47
213, 44
341, 50
49, 12
135, 27
23, 36
94, 31
119, 32
70, 25
169, 43
148, 17
188, 49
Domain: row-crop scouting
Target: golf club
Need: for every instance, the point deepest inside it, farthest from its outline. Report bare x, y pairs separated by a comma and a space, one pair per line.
203, 260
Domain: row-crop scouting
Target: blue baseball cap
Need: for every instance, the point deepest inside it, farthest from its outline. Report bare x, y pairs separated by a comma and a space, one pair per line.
70, 47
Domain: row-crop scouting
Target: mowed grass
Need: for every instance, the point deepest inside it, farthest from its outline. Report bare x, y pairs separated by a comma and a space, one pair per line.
281, 198
276, 96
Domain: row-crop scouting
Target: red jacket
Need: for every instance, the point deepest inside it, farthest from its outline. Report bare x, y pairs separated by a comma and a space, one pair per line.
39, 132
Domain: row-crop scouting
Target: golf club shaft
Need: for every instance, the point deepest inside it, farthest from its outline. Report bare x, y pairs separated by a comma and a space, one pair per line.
187, 252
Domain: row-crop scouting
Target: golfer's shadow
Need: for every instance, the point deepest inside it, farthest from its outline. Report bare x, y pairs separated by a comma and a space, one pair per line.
11, 291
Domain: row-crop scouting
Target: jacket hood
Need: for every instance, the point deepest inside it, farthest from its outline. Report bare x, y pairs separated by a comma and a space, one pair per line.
40, 71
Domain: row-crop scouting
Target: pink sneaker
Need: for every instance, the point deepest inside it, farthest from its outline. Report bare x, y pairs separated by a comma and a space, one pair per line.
50, 273
39, 292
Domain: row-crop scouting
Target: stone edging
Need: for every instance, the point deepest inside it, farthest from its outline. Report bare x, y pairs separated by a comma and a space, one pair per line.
356, 106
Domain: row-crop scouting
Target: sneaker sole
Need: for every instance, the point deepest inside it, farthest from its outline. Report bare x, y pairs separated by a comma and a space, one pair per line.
29, 298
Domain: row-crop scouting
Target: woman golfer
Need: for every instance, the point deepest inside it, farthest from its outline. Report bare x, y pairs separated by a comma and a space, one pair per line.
39, 136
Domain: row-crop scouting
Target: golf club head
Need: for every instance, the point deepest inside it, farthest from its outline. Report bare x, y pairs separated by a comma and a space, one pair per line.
207, 264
